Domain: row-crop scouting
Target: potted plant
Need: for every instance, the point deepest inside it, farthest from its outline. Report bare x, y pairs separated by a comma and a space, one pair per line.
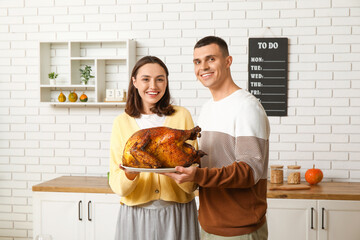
52, 77
86, 74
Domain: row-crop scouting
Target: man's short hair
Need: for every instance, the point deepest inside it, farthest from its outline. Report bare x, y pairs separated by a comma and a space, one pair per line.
216, 40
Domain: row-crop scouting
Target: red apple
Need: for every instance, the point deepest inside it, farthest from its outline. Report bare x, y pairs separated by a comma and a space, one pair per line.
313, 175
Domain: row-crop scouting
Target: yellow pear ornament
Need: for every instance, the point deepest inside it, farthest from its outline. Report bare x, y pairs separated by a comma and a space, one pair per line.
61, 97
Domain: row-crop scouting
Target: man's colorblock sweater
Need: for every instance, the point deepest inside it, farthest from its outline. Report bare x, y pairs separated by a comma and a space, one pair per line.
233, 176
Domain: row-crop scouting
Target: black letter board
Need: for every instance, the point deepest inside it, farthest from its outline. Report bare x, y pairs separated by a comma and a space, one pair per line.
268, 67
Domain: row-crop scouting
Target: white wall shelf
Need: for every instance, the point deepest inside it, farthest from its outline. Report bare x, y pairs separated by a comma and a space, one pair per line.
111, 63
89, 104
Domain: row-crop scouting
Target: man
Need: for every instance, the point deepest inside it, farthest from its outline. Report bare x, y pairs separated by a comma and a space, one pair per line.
235, 135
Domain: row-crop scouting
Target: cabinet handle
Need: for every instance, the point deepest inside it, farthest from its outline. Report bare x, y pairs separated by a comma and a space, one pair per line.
79, 208
322, 218
312, 218
89, 206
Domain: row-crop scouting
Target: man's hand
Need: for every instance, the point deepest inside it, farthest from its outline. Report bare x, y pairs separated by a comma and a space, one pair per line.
182, 174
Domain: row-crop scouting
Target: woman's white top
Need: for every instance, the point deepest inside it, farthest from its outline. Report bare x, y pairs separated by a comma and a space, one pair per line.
150, 121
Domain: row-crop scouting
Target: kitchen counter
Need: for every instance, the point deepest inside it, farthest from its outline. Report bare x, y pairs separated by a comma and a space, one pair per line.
79, 184
323, 190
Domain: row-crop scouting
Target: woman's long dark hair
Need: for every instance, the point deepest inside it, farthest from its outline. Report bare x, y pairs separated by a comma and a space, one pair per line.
134, 106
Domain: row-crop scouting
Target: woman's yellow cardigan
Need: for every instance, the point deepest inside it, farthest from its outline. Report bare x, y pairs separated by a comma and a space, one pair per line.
146, 186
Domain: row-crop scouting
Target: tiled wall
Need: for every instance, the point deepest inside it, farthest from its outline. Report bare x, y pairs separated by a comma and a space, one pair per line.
39, 142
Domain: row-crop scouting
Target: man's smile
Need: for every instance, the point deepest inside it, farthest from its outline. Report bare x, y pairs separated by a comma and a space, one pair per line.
206, 75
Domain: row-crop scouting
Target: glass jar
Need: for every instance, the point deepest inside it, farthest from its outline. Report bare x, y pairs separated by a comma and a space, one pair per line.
293, 174
276, 174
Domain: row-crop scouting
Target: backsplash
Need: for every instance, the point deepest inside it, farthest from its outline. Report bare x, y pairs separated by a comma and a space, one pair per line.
39, 142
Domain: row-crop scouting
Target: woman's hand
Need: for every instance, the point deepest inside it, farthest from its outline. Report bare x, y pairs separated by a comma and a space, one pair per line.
129, 174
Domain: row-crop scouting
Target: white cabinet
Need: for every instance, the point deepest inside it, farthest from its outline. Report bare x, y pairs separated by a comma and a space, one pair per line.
102, 216
290, 219
339, 220
75, 216
111, 63
313, 219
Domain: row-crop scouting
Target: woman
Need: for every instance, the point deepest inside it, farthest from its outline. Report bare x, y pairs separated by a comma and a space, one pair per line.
153, 206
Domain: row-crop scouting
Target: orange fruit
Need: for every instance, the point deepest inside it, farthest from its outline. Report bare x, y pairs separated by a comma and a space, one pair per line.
313, 175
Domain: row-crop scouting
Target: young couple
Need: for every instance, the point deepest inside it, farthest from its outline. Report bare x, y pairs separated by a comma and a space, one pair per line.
233, 176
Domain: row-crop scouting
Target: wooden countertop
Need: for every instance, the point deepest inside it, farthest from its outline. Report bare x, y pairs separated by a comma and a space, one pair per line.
77, 184
324, 190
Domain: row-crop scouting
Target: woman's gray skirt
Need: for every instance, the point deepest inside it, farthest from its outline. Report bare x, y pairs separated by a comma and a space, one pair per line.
177, 221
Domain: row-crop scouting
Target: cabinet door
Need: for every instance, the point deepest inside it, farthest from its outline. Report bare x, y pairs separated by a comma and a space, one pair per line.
339, 220
102, 212
59, 214
291, 219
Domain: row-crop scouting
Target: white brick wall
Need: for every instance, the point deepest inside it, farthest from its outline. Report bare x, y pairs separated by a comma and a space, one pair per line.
39, 142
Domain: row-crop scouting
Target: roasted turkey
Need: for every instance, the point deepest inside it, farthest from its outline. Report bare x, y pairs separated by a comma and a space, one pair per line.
161, 147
